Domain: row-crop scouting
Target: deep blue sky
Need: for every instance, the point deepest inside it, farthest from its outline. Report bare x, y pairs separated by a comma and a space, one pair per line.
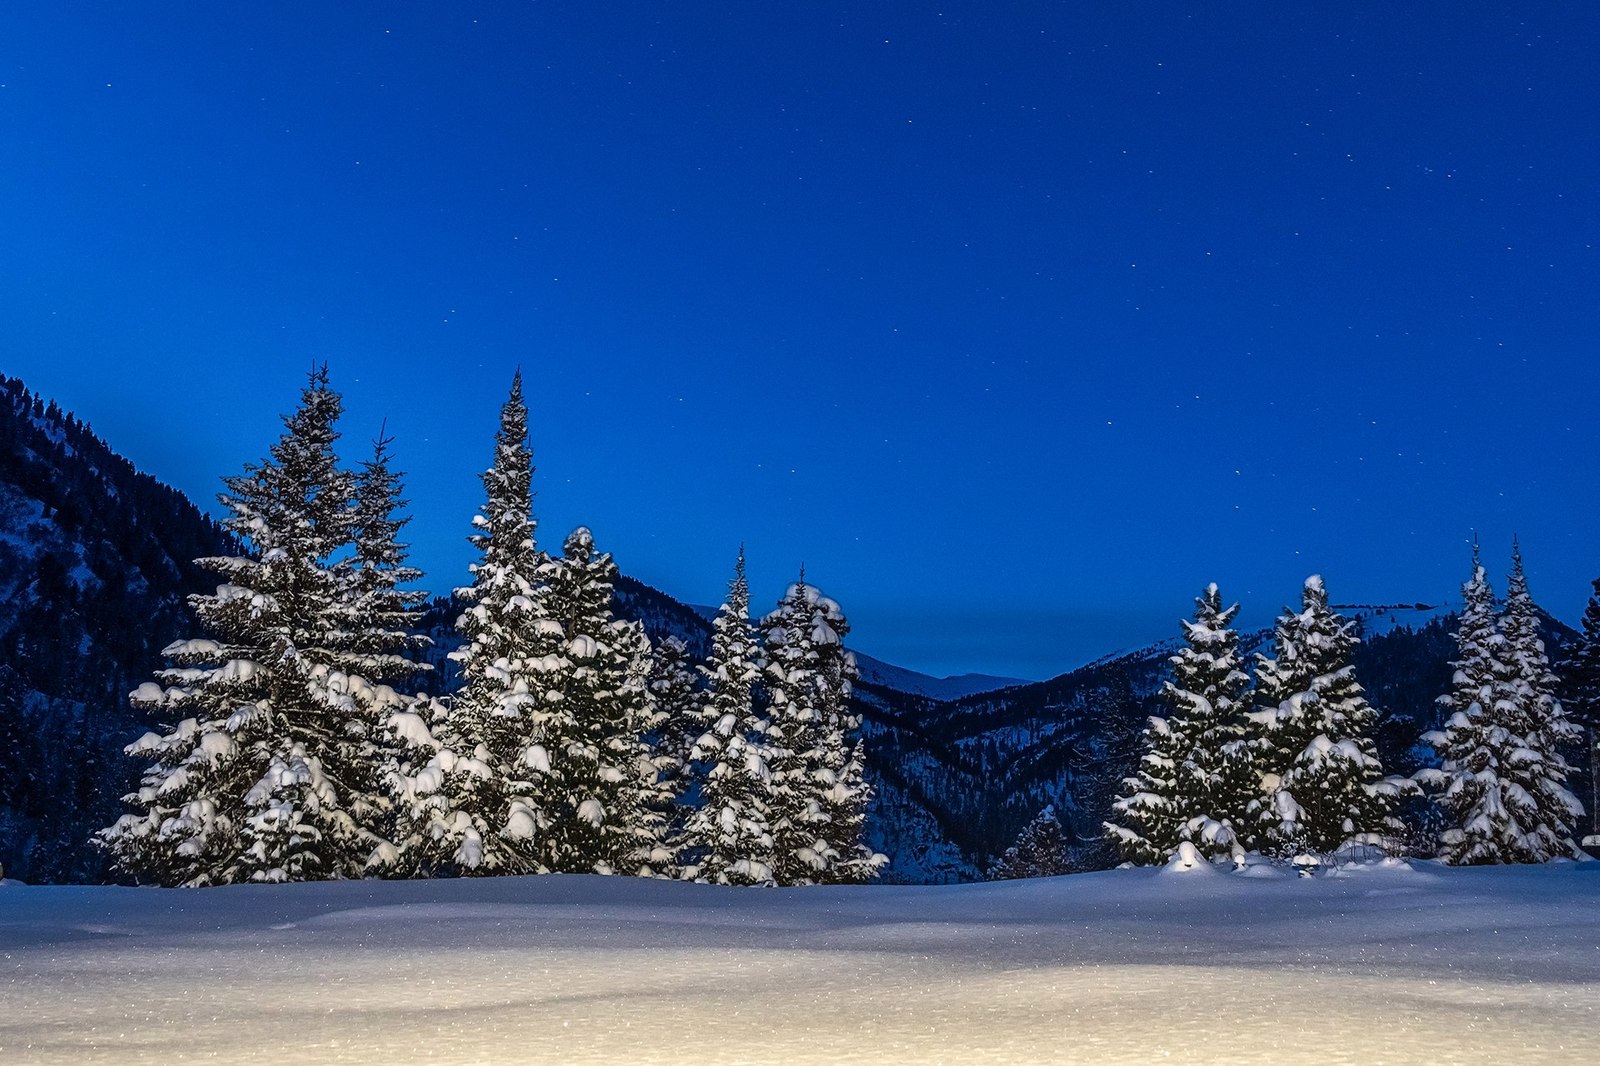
1016, 323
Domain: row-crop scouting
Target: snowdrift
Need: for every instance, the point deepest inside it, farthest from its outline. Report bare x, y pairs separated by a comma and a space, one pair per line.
1383, 963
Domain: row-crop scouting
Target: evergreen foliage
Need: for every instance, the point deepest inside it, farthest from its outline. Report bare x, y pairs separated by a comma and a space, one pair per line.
485, 817
1502, 778
1042, 850
728, 839
795, 737
1549, 730
675, 695
842, 774
379, 643
1150, 825
414, 767
16, 770
821, 794
380, 640
1102, 761
540, 763
1580, 693
1199, 782
596, 800
255, 782
1208, 696
1323, 784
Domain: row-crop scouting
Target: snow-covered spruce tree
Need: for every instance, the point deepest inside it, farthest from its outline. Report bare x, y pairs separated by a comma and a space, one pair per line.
1547, 729
241, 788
380, 638
1323, 784
1148, 823
1209, 697
596, 788
1041, 850
675, 694
1479, 788
1199, 782
654, 852
468, 809
840, 775
1284, 722
728, 838
413, 766
1580, 693
795, 739
376, 647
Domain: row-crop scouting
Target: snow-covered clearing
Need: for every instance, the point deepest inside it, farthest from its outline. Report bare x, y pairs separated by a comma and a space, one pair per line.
1362, 966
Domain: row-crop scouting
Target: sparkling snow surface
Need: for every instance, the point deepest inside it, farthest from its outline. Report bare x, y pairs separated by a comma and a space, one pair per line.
1360, 966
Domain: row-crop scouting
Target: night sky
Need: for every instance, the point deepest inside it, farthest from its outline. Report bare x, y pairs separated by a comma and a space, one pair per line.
1015, 323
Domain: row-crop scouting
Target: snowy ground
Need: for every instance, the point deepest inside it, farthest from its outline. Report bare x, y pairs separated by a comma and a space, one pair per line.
1364, 966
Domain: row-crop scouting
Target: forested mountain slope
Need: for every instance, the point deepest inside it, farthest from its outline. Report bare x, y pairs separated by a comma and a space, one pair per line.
96, 560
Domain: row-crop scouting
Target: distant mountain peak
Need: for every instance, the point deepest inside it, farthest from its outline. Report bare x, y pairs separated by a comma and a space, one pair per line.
954, 687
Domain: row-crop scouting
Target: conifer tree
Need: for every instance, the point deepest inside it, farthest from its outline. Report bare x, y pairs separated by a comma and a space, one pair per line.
380, 639
1502, 778
728, 839
840, 773
1547, 729
1208, 696
1196, 782
1110, 757
1041, 850
1320, 773
486, 820
795, 739
378, 642
240, 789
676, 696
596, 788
1580, 693
653, 851
1148, 825
1491, 810
413, 768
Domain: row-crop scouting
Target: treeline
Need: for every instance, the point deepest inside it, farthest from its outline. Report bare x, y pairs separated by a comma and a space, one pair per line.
302, 744
1283, 759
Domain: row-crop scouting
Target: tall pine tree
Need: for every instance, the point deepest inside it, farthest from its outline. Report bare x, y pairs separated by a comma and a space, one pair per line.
249, 784
1324, 786
795, 739
1547, 729
1197, 780
676, 696
1209, 697
1490, 810
596, 789
840, 770
379, 641
728, 838
1580, 694
484, 818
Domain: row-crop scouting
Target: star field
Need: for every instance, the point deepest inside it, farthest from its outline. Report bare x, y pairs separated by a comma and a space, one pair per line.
1015, 323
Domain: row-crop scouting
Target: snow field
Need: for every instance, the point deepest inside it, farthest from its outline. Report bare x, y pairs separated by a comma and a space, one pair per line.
1367, 965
